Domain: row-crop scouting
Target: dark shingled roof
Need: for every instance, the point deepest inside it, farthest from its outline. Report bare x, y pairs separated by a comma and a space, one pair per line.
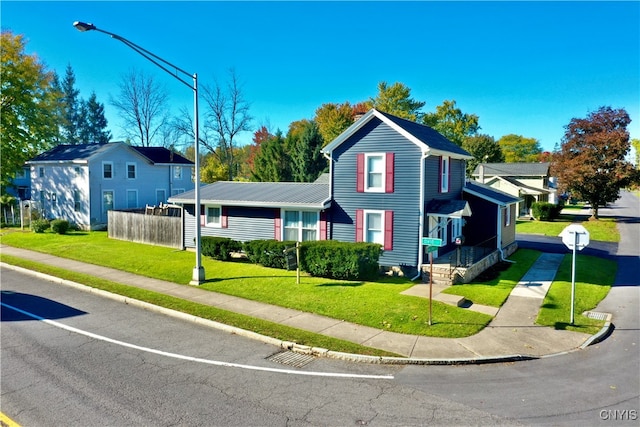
70, 152
260, 194
513, 169
84, 151
427, 135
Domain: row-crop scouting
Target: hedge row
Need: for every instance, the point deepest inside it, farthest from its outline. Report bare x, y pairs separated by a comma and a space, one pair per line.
543, 211
328, 258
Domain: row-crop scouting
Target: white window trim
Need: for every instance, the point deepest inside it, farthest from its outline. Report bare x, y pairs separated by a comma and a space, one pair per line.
299, 227
445, 172
113, 192
112, 170
507, 218
206, 216
176, 169
438, 227
456, 228
136, 193
365, 225
77, 200
383, 183
135, 170
164, 199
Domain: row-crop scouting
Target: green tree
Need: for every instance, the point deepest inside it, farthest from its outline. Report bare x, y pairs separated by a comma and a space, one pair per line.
72, 109
451, 122
304, 143
517, 148
396, 99
29, 108
93, 123
333, 119
271, 163
591, 162
635, 143
484, 149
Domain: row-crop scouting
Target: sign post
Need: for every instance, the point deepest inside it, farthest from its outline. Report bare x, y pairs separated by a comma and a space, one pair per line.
293, 260
574, 236
432, 245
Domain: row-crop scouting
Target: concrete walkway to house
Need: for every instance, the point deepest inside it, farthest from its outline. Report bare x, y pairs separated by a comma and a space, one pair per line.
511, 335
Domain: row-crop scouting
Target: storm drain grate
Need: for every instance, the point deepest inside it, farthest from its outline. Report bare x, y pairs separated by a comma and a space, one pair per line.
596, 315
290, 358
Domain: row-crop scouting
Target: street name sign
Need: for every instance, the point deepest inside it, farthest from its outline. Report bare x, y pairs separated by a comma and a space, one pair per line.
431, 241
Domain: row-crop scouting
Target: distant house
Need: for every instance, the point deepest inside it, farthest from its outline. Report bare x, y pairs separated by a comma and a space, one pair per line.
391, 181
81, 183
530, 182
20, 186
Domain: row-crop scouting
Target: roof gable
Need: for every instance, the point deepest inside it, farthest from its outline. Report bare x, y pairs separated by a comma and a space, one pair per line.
162, 155
428, 139
490, 194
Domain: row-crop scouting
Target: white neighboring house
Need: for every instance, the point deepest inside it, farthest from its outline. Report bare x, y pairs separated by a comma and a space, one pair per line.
81, 183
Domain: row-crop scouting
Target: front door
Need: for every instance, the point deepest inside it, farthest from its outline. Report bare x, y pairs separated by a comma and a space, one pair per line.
107, 204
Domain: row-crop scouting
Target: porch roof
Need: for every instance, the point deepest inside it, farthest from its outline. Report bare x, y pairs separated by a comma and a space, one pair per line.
449, 208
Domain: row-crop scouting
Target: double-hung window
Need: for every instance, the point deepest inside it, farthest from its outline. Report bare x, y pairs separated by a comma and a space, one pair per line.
107, 170
131, 170
177, 172
444, 174
214, 216
300, 226
77, 204
373, 227
374, 172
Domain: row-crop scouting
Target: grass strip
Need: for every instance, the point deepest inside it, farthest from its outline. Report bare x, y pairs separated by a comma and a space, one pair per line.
203, 311
556, 307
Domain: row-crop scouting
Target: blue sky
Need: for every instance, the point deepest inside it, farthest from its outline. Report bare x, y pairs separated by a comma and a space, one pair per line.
522, 67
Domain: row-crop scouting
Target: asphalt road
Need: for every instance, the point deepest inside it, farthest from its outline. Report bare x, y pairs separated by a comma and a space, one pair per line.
126, 366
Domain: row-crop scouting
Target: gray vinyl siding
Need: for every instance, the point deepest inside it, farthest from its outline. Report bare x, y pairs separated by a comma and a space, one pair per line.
376, 137
244, 224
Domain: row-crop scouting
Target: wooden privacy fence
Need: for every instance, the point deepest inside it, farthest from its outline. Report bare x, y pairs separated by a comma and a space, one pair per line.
150, 229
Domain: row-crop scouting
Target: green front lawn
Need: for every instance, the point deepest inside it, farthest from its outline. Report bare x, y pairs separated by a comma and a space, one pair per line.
603, 229
594, 277
496, 291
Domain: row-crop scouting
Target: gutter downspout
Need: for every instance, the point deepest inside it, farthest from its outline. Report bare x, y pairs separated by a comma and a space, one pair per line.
425, 154
330, 198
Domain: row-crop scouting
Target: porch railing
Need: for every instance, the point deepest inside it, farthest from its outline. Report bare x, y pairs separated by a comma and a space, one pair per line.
466, 256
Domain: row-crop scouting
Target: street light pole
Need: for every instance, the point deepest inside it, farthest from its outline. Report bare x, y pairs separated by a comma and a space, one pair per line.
198, 275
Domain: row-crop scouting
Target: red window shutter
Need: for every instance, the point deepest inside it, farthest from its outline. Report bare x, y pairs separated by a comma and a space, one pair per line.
323, 226
359, 224
224, 221
277, 225
389, 172
388, 230
360, 172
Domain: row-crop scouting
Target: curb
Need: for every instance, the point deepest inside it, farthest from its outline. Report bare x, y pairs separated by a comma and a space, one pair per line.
298, 348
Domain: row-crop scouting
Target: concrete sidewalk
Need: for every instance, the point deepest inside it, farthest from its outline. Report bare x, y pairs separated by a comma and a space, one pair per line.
512, 335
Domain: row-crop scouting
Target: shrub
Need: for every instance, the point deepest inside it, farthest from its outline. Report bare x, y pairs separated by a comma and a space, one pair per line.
219, 248
544, 211
40, 225
341, 260
269, 253
60, 226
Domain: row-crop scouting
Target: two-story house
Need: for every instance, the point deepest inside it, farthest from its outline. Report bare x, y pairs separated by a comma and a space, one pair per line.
530, 182
391, 181
81, 183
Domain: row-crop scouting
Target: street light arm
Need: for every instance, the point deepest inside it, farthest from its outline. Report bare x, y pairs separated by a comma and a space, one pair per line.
152, 57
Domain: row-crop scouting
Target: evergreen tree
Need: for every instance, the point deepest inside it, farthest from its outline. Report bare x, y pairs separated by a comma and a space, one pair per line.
93, 128
72, 109
307, 162
271, 163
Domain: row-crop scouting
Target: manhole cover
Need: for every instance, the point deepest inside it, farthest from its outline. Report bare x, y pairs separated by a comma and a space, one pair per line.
596, 315
290, 358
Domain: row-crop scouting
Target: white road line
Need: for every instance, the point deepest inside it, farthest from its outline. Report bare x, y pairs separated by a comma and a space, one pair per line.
193, 359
